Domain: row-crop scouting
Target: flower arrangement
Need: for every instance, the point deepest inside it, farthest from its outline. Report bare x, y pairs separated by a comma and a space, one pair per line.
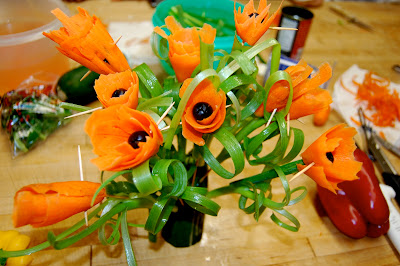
156, 136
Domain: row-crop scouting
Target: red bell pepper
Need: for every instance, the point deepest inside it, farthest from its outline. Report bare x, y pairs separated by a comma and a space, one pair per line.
359, 208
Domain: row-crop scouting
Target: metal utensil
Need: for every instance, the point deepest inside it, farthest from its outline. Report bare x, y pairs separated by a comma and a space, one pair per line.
349, 17
389, 173
387, 145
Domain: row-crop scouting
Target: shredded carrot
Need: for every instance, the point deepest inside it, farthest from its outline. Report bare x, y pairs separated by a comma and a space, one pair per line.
382, 135
384, 104
358, 123
344, 87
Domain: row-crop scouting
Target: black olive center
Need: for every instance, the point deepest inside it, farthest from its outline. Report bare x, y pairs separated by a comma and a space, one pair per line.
253, 14
136, 137
329, 155
118, 93
202, 110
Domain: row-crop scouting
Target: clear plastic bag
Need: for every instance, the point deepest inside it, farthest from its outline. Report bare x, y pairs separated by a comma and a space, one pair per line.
31, 113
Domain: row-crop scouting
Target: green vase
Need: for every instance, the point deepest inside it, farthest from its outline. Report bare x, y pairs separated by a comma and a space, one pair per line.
184, 227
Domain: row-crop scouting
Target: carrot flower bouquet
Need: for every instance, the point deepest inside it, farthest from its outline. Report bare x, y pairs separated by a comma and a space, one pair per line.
156, 136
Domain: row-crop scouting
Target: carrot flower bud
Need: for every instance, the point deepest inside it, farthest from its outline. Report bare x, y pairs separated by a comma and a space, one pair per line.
118, 88
46, 204
251, 24
184, 46
205, 111
333, 158
122, 137
86, 40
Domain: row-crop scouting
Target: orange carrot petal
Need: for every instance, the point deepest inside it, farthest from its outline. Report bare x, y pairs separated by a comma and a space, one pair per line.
322, 116
46, 204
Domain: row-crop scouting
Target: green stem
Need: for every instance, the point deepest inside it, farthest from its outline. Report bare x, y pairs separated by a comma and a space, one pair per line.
75, 107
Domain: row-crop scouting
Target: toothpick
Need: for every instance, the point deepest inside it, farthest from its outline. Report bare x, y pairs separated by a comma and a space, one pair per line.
165, 113
270, 118
229, 105
81, 174
87, 74
301, 172
167, 127
301, 121
115, 43
282, 28
288, 124
80, 162
84, 112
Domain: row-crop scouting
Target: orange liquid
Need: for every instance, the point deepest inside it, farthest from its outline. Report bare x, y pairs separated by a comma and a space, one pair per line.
21, 61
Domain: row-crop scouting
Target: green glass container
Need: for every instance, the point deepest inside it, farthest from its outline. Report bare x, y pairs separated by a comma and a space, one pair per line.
185, 226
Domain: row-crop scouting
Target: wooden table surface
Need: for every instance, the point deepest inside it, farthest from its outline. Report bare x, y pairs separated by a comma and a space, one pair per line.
232, 238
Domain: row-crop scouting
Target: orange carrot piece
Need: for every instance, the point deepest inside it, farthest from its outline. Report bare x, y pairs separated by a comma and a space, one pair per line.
110, 131
205, 92
86, 40
46, 204
322, 116
118, 88
251, 24
333, 152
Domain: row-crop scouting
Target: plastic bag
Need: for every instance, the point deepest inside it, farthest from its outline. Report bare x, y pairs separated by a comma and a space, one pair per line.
31, 113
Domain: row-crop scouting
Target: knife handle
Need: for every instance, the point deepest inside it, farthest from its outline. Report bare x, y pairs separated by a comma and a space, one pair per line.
393, 181
394, 217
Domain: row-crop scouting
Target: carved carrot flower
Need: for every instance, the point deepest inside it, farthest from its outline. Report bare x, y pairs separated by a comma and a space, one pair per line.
333, 158
118, 88
205, 111
46, 204
308, 98
251, 24
184, 46
122, 137
85, 39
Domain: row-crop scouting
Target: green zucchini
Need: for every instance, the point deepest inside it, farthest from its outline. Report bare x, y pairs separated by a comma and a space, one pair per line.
71, 89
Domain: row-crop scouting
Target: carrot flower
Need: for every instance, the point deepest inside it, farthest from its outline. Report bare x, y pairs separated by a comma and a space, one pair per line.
205, 111
46, 204
122, 137
332, 154
184, 46
251, 24
308, 98
118, 88
86, 40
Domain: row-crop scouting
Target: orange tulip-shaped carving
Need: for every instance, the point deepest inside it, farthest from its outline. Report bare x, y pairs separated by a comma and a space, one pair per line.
308, 98
251, 24
46, 204
122, 137
204, 112
333, 157
118, 88
184, 46
86, 40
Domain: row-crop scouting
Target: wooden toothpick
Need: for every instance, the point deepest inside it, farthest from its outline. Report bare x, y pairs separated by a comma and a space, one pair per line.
301, 172
282, 28
84, 112
115, 43
270, 118
288, 124
87, 74
167, 127
81, 175
301, 121
165, 113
